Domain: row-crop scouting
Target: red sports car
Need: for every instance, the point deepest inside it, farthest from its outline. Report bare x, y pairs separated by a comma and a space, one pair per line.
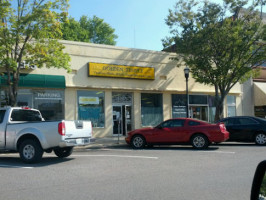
199, 134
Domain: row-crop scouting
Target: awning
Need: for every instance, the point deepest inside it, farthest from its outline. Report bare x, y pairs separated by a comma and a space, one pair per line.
37, 81
260, 93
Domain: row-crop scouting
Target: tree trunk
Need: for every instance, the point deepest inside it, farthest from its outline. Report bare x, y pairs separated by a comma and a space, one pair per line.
219, 103
12, 89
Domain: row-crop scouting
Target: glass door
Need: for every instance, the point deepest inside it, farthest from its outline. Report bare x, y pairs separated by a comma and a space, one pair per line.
117, 120
199, 112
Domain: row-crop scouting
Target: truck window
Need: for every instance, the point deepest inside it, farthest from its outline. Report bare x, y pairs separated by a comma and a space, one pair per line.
2, 115
25, 115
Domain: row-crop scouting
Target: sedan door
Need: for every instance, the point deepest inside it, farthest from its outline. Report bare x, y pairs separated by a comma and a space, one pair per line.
241, 128
247, 128
169, 131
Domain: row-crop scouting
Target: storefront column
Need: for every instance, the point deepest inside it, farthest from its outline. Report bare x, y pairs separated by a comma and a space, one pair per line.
108, 114
239, 106
167, 105
137, 111
71, 104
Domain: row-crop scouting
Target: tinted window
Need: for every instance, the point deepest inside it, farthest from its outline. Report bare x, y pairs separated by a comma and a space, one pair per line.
25, 115
193, 123
245, 121
228, 122
2, 115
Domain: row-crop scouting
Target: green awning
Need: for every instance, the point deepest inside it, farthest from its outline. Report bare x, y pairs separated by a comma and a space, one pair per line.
37, 81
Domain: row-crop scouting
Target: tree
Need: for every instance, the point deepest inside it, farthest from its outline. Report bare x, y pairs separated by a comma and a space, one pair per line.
220, 44
28, 33
93, 30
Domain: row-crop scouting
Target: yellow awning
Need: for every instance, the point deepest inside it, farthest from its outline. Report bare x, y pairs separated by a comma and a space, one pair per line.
260, 93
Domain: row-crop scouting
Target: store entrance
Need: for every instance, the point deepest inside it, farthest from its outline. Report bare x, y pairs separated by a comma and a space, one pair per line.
121, 119
199, 112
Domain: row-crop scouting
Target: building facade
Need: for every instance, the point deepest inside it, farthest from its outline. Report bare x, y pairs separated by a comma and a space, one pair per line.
119, 89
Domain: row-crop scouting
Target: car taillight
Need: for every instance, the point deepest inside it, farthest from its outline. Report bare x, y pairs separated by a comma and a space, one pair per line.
62, 128
222, 127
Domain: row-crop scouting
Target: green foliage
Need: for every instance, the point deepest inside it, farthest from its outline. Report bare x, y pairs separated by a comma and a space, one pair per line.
29, 30
93, 30
220, 44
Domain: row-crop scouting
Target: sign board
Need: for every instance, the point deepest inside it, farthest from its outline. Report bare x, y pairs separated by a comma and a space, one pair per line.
120, 71
88, 100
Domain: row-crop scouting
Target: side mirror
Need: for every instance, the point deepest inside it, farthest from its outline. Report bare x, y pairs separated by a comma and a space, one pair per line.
258, 190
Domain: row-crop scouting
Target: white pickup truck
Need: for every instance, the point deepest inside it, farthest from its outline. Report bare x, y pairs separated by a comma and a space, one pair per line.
24, 130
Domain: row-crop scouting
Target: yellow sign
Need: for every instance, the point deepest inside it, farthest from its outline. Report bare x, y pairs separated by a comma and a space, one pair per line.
120, 71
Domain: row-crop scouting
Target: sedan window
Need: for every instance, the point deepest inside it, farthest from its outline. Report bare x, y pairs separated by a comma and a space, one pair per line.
193, 123
173, 123
245, 121
228, 121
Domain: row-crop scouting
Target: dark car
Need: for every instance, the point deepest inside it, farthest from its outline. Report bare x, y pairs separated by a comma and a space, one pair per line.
179, 131
246, 129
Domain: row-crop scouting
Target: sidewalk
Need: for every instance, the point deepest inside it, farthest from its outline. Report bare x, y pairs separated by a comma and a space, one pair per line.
105, 142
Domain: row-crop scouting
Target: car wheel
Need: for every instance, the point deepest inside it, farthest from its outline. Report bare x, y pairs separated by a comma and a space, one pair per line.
138, 142
30, 151
199, 141
260, 139
63, 152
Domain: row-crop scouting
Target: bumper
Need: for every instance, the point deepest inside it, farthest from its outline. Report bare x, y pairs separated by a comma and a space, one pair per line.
127, 139
76, 142
220, 138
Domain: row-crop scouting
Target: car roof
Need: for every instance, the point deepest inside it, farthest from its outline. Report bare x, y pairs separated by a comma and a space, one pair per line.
237, 117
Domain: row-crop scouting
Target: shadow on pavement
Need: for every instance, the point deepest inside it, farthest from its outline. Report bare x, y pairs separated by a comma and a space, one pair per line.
16, 162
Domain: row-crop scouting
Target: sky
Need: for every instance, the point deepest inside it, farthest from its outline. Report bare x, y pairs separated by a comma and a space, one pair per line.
138, 23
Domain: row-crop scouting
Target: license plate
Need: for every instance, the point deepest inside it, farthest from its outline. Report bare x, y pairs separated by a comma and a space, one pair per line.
80, 141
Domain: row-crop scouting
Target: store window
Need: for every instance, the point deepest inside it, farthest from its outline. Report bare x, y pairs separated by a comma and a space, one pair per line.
50, 103
231, 106
179, 105
25, 98
91, 107
151, 109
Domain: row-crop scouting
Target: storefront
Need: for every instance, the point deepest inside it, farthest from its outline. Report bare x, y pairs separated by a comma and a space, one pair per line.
120, 89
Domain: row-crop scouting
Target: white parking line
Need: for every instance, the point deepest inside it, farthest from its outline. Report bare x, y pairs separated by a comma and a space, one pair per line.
118, 156
228, 152
13, 166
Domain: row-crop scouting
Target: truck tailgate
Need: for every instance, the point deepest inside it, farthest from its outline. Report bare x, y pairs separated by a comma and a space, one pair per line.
78, 129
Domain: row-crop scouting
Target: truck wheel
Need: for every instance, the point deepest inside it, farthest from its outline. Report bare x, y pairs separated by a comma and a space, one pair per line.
30, 151
63, 152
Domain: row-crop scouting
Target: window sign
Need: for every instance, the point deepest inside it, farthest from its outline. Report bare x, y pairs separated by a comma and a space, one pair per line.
179, 108
88, 100
48, 95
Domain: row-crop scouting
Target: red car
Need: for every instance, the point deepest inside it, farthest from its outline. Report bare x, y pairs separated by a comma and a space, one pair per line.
179, 131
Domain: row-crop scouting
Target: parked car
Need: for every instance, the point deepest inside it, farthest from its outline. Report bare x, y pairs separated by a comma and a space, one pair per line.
198, 133
24, 130
246, 129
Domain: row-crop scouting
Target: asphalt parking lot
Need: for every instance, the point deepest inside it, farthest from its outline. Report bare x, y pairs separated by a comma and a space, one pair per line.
115, 171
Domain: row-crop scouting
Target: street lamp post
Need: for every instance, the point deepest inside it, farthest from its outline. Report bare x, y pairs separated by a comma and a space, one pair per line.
186, 72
